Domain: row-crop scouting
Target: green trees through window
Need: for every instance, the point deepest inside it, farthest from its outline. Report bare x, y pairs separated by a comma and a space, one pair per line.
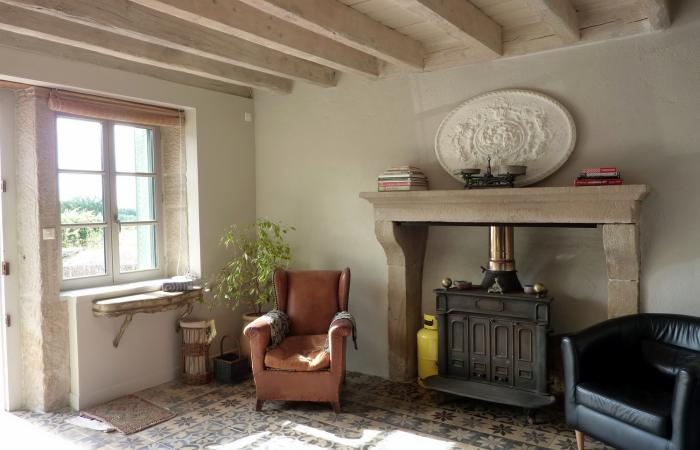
107, 191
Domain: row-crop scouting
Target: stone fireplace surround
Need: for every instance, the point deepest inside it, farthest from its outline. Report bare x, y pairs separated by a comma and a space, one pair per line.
402, 220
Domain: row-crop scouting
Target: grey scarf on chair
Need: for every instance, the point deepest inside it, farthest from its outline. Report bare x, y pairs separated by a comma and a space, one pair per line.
343, 315
279, 326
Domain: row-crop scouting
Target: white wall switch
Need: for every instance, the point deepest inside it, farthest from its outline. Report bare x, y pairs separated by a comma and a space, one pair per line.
49, 234
248, 117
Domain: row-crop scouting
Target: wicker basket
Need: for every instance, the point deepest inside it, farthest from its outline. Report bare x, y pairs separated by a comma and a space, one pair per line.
230, 367
196, 337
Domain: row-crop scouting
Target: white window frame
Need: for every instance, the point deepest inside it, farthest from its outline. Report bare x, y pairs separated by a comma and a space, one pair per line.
111, 223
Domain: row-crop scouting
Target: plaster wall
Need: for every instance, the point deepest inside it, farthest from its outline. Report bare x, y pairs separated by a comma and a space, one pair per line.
220, 191
635, 103
149, 353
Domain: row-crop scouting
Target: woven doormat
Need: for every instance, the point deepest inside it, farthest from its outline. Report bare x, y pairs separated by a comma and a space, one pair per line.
129, 414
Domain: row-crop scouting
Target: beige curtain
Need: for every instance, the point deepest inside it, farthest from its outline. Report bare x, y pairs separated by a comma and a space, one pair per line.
113, 109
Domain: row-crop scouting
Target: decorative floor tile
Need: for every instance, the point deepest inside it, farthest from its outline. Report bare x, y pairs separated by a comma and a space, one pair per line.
377, 414
93, 441
172, 426
224, 439
155, 446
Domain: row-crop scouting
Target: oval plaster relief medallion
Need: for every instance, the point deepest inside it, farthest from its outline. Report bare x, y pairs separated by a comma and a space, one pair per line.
513, 127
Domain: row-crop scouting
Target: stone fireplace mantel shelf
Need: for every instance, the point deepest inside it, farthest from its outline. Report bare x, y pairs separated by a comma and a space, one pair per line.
542, 205
615, 208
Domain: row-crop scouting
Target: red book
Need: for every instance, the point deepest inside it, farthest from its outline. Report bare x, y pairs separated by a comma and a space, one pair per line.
600, 175
600, 170
599, 182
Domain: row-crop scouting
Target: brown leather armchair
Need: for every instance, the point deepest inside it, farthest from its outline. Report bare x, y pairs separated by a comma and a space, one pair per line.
299, 369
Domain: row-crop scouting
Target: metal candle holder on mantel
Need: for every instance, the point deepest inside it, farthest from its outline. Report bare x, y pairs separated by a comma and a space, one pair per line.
472, 179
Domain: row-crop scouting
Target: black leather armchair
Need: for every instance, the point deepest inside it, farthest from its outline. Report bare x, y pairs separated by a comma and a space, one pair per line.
634, 382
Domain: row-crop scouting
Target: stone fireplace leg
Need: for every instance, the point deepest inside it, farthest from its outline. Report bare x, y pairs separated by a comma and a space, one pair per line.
621, 243
405, 251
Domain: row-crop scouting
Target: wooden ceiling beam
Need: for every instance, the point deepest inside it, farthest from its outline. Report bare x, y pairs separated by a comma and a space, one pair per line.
52, 49
21, 21
339, 22
535, 37
135, 21
657, 12
238, 19
461, 20
561, 16
4, 84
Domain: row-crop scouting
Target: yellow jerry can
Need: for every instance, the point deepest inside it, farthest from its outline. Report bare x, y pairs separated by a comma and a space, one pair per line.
427, 349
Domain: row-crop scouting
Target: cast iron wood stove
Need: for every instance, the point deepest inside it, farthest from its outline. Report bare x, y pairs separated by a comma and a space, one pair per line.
493, 339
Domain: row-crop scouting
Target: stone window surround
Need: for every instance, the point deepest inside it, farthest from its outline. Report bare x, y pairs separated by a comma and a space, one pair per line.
44, 322
615, 208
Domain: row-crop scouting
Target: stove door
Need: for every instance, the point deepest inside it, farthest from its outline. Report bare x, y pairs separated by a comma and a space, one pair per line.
502, 352
457, 345
525, 355
479, 357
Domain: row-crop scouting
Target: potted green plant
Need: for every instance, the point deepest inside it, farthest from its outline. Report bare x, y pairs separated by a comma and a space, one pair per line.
246, 279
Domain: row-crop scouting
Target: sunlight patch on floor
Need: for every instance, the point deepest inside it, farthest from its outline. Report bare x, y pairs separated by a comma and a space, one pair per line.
367, 435
410, 441
18, 434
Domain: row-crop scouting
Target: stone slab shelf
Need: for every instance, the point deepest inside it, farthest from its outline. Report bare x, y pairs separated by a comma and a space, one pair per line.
402, 220
547, 205
148, 302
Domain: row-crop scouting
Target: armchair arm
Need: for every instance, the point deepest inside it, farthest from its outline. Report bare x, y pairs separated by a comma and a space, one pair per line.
570, 360
339, 330
258, 332
584, 354
685, 409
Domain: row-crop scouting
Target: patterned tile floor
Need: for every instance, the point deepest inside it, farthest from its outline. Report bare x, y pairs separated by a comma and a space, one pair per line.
377, 414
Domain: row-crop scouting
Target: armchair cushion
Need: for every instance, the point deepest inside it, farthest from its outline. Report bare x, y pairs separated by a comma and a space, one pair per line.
644, 407
301, 353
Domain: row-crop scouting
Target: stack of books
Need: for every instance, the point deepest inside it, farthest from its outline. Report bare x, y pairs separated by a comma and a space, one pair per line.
599, 176
405, 178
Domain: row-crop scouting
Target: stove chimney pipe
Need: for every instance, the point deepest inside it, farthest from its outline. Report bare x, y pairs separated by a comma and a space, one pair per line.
501, 248
501, 272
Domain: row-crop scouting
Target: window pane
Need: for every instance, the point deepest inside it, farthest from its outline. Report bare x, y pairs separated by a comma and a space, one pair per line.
81, 198
135, 198
133, 149
83, 252
137, 247
79, 144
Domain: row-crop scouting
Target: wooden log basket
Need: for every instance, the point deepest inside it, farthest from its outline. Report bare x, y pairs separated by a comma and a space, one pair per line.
196, 338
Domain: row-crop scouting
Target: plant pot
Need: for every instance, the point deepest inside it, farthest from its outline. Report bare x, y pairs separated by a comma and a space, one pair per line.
245, 343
